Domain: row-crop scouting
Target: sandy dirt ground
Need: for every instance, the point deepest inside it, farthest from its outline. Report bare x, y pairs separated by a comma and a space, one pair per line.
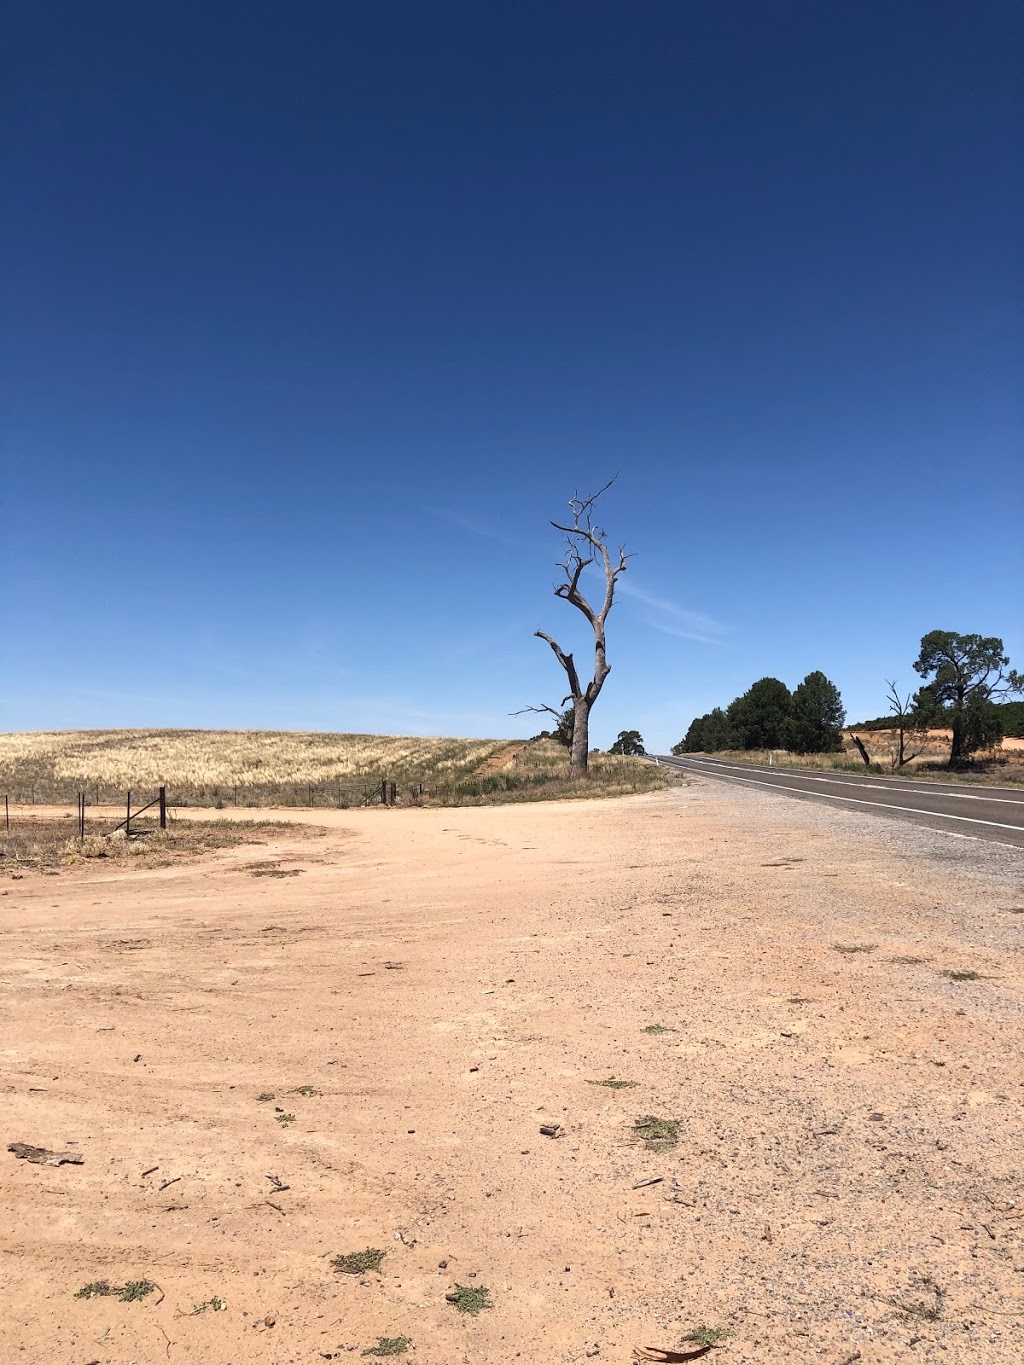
447, 982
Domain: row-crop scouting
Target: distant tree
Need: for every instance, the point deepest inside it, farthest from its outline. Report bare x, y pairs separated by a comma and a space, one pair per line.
629, 742
963, 675
1012, 713
693, 741
816, 723
586, 543
760, 719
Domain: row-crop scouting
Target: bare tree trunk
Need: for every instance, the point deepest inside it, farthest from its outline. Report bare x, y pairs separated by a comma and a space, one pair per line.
579, 757
863, 752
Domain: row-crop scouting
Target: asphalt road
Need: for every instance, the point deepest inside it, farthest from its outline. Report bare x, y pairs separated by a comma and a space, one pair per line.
993, 813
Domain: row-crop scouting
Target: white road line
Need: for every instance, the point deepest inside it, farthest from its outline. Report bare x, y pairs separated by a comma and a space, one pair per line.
875, 805
937, 790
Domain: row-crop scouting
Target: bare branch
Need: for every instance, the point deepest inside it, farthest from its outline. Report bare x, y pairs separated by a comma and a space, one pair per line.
537, 710
566, 660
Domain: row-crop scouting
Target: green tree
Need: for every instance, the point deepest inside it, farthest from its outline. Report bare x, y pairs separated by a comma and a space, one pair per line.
718, 733
963, 675
693, 741
760, 719
629, 742
564, 729
816, 725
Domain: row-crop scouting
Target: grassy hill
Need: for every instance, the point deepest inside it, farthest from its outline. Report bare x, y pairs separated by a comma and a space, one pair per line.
287, 768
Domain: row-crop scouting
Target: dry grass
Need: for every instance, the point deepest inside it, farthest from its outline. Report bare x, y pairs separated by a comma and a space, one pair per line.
50, 844
239, 767
540, 772
1005, 768
274, 768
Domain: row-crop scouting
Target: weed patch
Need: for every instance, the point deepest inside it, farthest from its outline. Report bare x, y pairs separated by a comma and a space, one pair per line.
359, 1262
304, 1090
855, 947
214, 1305
470, 1298
705, 1337
389, 1346
656, 1029
127, 1293
285, 1118
961, 976
659, 1135
612, 1084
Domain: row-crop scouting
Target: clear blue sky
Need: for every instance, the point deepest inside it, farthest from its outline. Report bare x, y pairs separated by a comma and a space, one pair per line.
316, 312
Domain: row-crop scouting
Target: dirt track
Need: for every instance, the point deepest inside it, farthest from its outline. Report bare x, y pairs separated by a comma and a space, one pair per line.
448, 981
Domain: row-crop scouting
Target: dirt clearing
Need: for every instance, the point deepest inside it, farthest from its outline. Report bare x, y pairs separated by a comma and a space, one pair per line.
706, 1070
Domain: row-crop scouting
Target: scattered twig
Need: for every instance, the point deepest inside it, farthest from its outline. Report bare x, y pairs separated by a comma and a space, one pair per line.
651, 1180
174, 1181
274, 1206
149, 1172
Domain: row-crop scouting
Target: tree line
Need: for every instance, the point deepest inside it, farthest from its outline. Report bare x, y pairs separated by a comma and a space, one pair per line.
963, 679
808, 720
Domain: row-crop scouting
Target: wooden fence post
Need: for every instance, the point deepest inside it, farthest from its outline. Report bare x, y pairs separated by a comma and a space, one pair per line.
128, 818
163, 807
383, 791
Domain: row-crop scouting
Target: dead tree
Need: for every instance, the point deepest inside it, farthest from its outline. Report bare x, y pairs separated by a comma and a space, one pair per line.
901, 710
585, 544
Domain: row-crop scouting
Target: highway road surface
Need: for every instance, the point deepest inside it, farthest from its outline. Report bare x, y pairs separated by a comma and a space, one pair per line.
993, 813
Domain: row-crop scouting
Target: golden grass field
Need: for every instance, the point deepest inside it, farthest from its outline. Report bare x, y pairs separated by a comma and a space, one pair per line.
266, 767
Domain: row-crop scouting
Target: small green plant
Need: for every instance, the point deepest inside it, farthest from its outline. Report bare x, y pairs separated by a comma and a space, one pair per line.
285, 1118
961, 976
1015, 909
95, 1289
267, 1095
799, 1000
655, 1029
127, 1293
706, 1337
660, 1135
908, 961
389, 1346
358, 1262
613, 1084
304, 1090
855, 947
215, 1305
470, 1298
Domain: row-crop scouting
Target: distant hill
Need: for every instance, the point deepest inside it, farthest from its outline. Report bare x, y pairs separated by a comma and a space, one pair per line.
1012, 713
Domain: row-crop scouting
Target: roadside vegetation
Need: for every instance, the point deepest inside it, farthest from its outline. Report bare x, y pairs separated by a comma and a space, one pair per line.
54, 843
541, 772
958, 719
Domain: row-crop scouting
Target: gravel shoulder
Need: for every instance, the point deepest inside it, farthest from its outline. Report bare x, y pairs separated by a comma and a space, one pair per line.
846, 1174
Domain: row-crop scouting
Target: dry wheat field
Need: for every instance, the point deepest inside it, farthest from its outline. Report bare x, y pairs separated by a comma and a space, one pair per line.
287, 768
